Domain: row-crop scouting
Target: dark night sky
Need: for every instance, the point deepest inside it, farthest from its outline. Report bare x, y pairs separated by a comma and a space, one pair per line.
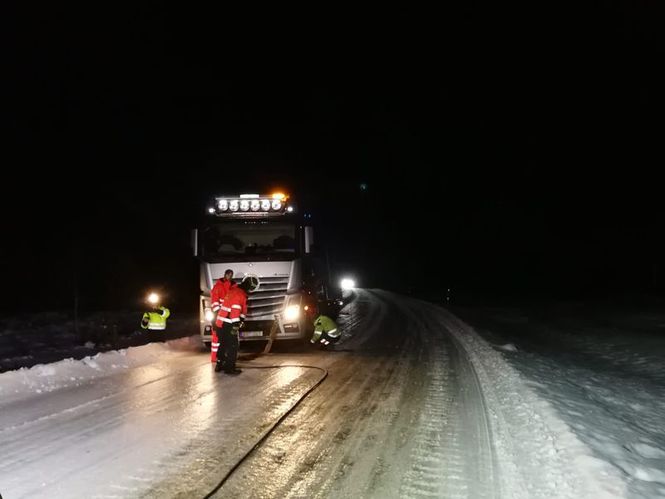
528, 140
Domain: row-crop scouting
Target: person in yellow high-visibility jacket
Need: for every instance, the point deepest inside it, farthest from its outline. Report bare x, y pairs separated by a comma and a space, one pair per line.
325, 331
155, 320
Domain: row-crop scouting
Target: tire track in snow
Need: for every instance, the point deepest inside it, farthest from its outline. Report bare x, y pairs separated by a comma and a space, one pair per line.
455, 456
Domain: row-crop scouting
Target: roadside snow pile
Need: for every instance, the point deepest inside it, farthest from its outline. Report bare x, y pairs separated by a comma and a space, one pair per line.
42, 378
605, 378
531, 433
619, 416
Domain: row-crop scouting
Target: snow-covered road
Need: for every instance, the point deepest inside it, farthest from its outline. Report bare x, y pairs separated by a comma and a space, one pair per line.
412, 403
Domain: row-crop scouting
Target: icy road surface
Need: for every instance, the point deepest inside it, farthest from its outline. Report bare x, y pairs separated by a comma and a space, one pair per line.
414, 404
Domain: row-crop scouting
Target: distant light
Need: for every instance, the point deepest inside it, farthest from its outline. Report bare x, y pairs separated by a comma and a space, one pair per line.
265, 205
223, 205
347, 283
211, 210
244, 205
276, 204
233, 205
363, 186
153, 298
289, 209
254, 205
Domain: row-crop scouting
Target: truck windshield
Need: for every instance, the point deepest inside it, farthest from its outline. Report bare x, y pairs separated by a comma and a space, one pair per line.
242, 239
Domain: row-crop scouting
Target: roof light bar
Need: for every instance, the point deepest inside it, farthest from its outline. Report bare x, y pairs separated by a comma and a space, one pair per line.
251, 204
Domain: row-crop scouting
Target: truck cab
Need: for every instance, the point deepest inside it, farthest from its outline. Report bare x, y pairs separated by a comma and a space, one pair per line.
267, 237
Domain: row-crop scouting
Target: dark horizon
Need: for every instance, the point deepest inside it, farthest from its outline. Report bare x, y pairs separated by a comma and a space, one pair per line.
528, 151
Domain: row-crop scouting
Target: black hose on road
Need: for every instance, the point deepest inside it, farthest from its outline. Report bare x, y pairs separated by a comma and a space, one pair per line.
275, 425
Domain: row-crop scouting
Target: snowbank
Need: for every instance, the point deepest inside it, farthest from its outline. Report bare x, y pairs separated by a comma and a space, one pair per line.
42, 378
534, 433
603, 376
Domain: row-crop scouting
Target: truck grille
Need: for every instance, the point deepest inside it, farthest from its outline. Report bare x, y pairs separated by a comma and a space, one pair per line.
269, 299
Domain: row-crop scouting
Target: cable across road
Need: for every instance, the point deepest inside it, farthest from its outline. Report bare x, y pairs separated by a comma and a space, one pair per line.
260, 441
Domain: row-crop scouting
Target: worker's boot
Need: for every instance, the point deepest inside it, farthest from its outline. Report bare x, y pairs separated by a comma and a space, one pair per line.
218, 366
233, 370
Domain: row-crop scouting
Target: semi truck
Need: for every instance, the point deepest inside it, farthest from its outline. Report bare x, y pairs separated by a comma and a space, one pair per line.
268, 237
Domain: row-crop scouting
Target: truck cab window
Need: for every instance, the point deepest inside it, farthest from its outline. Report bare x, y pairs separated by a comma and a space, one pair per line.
236, 238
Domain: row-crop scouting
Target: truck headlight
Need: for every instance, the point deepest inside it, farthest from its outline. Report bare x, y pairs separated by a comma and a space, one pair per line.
291, 313
209, 315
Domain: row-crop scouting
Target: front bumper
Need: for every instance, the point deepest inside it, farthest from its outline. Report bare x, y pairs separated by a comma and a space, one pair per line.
260, 330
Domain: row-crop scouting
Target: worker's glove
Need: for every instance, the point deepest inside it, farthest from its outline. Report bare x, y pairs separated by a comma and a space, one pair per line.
242, 324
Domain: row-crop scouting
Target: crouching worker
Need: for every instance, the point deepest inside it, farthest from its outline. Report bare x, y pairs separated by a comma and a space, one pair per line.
325, 331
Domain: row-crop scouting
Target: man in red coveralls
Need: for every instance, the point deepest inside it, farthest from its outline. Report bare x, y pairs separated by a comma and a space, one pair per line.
217, 295
230, 318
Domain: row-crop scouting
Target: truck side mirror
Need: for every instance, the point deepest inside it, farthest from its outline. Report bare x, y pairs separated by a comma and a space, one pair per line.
309, 239
195, 242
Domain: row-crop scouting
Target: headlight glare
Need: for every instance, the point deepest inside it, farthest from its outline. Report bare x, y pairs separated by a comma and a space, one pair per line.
291, 313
